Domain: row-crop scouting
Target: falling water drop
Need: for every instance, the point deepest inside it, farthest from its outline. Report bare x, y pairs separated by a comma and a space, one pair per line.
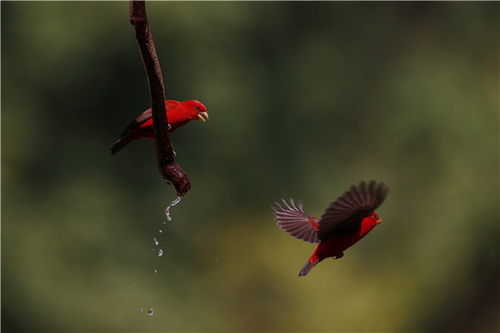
156, 271
151, 312
141, 310
172, 204
160, 252
176, 201
160, 231
156, 241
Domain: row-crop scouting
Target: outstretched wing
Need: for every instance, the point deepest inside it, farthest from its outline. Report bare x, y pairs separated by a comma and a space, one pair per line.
290, 217
351, 207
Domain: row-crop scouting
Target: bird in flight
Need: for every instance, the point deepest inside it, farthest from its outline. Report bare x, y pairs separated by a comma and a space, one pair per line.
178, 114
348, 219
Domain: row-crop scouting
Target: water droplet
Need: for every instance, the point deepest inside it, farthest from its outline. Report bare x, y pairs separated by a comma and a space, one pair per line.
156, 271
151, 312
160, 252
167, 213
141, 310
156, 241
176, 201
160, 231
217, 260
172, 204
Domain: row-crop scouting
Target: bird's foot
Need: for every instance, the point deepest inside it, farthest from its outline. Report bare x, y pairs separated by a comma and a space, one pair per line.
338, 256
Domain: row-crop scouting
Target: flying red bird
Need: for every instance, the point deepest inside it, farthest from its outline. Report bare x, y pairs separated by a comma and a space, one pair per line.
345, 221
179, 114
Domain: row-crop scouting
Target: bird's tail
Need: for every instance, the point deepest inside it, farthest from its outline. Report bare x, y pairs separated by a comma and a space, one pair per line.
118, 145
308, 266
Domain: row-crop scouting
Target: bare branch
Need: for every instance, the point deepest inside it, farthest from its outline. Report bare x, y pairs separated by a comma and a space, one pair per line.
171, 171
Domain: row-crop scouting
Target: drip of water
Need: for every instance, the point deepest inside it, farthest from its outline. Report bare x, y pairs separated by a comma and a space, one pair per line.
172, 204
151, 311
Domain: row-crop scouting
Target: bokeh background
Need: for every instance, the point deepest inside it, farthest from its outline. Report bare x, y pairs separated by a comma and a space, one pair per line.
305, 99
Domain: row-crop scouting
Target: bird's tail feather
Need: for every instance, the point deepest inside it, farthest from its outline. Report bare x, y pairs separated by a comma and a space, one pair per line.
307, 267
118, 145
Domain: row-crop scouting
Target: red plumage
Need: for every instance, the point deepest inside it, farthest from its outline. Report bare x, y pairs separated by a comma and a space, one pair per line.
178, 114
345, 221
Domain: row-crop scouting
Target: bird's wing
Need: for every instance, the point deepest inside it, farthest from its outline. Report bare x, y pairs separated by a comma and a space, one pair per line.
145, 116
290, 217
351, 207
137, 122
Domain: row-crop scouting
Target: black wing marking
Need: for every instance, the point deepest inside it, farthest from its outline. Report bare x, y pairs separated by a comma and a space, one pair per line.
146, 115
143, 117
290, 217
351, 207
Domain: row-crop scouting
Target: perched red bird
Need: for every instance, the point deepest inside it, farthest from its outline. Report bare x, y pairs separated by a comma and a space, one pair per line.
179, 114
346, 221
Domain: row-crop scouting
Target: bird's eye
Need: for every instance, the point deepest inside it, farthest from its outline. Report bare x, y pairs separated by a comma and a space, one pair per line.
197, 108
374, 216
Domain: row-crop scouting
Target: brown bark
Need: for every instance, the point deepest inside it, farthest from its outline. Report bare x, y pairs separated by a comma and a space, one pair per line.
171, 171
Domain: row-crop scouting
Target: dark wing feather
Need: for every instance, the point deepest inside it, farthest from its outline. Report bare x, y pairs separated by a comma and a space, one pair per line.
351, 207
146, 115
290, 217
143, 117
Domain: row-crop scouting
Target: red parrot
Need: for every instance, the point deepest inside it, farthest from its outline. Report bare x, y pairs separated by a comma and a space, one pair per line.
179, 114
345, 221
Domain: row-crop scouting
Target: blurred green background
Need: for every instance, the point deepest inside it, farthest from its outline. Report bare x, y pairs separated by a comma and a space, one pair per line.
305, 99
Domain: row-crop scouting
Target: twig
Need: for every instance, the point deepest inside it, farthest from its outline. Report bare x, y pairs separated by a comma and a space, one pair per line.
171, 171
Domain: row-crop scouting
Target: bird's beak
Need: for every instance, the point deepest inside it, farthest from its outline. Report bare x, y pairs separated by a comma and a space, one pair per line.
379, 220
203, 116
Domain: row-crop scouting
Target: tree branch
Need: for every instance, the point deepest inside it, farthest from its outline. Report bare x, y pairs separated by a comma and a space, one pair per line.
171, 171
